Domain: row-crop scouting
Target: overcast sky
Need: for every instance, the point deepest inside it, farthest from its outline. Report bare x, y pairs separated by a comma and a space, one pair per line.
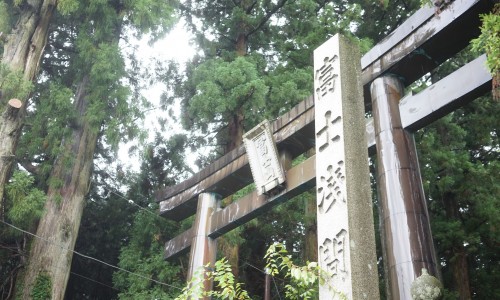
175, 46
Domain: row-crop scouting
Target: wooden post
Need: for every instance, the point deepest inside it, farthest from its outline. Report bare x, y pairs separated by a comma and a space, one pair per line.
267, 287
203, 248
405, 220
346, 238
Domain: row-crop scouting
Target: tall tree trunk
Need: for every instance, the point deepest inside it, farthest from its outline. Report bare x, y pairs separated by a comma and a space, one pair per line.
234, 140
311, 234
458, 260
235, 131
22, 52
59, 225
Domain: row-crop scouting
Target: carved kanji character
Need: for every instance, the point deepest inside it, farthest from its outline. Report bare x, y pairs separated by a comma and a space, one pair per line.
326, 76
330, 132
332, 253
330, 187
265, 159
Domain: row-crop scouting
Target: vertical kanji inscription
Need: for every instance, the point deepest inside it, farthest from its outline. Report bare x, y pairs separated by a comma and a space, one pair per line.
264, 156
346, 243
325, 76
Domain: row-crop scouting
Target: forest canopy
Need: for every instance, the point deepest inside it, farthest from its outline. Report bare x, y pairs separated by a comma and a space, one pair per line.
77, 222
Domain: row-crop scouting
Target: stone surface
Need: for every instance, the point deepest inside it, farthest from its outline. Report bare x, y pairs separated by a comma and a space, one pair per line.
346, 239
426, 287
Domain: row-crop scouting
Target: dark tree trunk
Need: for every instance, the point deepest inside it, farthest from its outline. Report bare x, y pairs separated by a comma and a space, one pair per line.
235, 131
64, 206
311, 234
458, 260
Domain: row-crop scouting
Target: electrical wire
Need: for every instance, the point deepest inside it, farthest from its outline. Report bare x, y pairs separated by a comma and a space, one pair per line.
95, 281
276, 286
90, 257
130, 201
74, 273
112, 190
264, 272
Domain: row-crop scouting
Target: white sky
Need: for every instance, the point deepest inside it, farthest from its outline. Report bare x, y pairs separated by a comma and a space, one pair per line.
175, 46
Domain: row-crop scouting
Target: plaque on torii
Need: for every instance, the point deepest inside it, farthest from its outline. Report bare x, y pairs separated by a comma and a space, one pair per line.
267, 171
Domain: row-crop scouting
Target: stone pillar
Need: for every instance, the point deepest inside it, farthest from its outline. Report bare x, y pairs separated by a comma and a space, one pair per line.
404, 217
346, 239
203, 248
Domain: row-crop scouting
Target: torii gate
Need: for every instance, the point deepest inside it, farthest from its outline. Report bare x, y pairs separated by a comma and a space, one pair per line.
420, 44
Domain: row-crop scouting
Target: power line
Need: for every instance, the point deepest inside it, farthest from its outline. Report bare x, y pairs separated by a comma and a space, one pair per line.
130, 201
262, 271
95, 281
113, 189
276, 286
90, 257
74, 273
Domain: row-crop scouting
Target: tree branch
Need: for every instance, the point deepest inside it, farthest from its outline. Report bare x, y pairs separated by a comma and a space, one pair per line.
250, 8
266, 18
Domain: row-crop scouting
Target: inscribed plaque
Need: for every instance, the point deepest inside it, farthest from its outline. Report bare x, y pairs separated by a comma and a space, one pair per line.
263, 158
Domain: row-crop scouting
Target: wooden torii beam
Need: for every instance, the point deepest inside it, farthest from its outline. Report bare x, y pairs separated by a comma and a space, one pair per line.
418, 41
417, 111
407, 54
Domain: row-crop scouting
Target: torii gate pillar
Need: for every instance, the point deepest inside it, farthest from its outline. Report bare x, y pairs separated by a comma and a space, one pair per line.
203, 247
405, 220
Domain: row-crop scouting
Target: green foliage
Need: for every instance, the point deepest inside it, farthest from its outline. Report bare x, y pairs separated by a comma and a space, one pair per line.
50, 121
460, 160
144, 255
286, 88
42, 289
303, 284
66, 7
91, 34
426, 3
4, 20
12, 84
226, 87
151, 17
489, 40
303, 279
226, 286
26, 202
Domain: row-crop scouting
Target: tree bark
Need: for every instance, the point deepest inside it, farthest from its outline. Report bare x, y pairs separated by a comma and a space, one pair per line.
22, 52
235, 131
7, 130
311, 234
458, 260
51, 254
